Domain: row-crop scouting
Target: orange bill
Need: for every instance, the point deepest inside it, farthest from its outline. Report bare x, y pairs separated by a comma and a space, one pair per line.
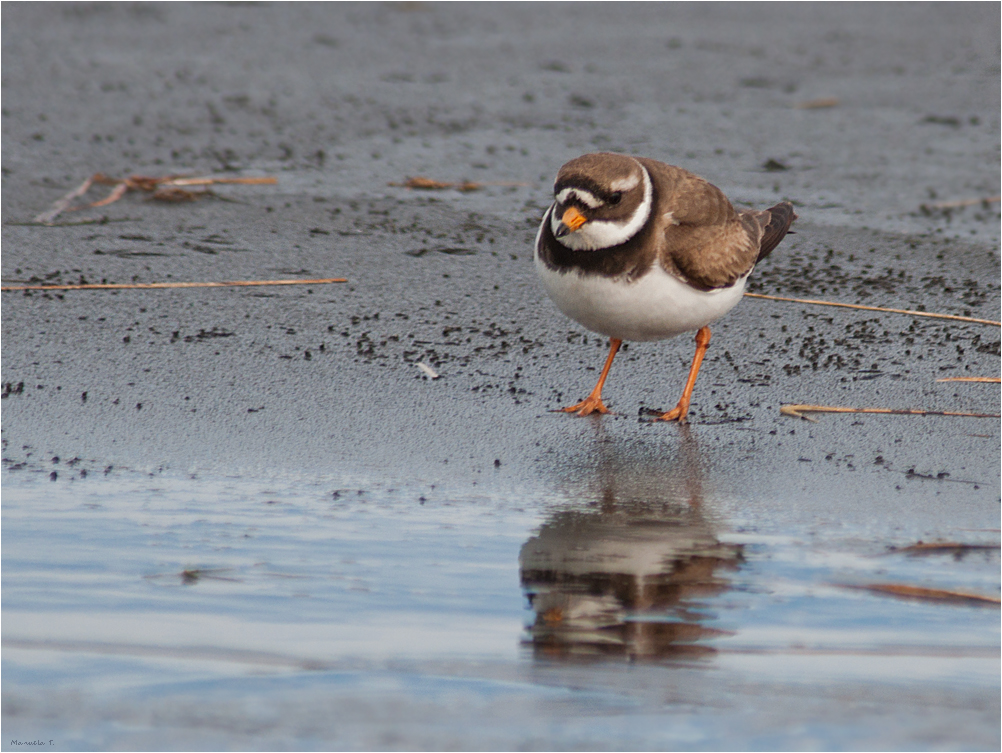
573, 218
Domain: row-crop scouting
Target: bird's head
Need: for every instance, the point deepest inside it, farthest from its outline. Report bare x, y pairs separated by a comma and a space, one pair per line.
600, 200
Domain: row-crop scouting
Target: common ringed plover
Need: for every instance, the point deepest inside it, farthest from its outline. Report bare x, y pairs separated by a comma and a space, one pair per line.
636, 249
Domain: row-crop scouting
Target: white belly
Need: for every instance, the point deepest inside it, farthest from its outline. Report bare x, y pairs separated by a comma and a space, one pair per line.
655, 307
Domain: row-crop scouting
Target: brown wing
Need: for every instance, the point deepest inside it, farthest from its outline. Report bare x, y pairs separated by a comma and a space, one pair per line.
706, 242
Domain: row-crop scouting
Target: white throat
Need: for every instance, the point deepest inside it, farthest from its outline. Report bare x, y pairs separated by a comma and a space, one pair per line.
597, 234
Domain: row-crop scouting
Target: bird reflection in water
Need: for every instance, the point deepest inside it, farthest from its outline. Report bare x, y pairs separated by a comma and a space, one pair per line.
626, 573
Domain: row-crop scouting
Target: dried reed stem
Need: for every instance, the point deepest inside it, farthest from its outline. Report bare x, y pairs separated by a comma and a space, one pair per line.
994, 380
932, 594
797, 410
873, 308
964, 203
148, 285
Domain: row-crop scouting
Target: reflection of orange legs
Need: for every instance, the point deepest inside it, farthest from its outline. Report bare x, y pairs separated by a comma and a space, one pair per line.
593, 403
679, 412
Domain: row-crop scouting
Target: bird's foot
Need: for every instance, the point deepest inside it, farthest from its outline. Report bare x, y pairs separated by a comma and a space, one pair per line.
678, 413
586, 407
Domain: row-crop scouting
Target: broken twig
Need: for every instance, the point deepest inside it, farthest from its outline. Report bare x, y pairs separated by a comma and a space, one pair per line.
103, 220
929, 594
813, 302
147, 285
817, 104
963, 203
943, 547
430, 184
62, 204
798, 410
992, 380
165, 188
191, 575
428, 370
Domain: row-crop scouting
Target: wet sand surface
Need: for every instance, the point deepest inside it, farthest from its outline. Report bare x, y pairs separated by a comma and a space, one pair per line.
246, 518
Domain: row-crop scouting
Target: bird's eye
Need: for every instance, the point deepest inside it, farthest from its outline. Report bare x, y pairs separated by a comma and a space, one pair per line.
614, 198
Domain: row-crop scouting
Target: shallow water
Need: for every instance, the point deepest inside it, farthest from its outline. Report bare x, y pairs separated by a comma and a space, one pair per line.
173, 612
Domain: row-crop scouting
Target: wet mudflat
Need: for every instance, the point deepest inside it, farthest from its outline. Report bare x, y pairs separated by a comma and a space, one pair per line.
246, 518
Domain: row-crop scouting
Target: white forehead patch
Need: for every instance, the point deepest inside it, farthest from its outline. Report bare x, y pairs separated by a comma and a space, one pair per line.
585, 197
625, 184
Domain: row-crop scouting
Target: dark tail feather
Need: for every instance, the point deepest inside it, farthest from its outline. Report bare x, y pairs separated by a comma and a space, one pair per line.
777, 222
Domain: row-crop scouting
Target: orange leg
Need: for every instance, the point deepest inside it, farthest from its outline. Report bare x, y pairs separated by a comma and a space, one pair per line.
593, 403
679, 412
